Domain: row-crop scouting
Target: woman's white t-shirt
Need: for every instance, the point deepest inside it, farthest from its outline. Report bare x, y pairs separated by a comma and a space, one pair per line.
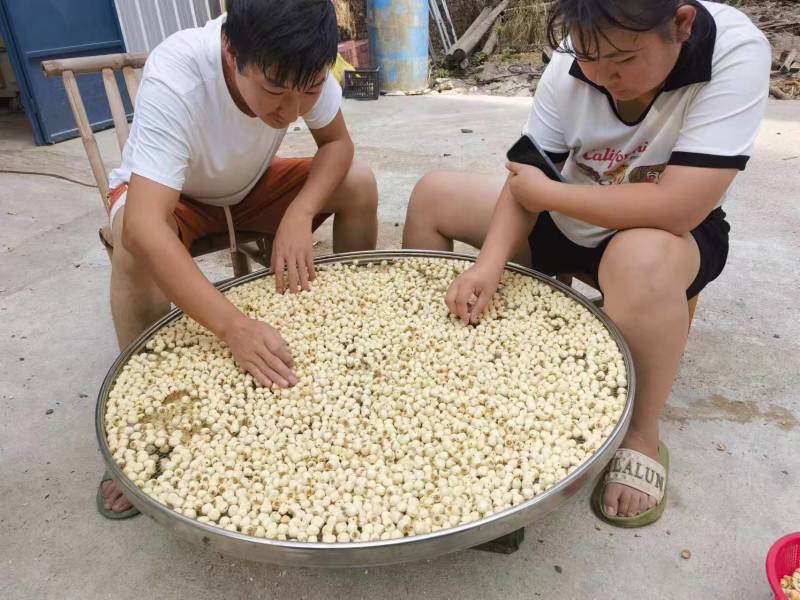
187, 132
707, 114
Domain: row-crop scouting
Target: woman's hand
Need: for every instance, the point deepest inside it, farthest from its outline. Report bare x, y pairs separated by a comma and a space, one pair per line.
471, 291
530, 187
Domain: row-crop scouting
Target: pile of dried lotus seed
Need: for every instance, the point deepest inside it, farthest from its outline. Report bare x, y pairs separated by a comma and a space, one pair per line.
790, 584
404, 420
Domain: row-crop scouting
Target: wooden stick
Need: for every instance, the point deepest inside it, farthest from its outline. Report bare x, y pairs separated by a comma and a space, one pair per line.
474, 34
778, 93
93, 64
87, 137
491, 42
565, 278
131, 82
484, 13
787, 66
255, 254
117, 108
457, 53
241, 266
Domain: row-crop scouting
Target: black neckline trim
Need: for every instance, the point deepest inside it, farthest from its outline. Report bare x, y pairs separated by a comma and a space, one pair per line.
693, 65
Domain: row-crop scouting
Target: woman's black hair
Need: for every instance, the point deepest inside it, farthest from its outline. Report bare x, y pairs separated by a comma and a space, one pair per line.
293, 40
581, 23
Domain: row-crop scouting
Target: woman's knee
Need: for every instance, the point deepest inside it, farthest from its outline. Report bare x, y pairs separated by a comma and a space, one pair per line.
428, 193
643, 265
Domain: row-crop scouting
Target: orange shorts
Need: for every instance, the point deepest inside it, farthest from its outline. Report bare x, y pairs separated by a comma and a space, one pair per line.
261, 210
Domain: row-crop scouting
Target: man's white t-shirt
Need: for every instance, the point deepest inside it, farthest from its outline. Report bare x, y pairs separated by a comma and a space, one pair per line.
707, 114
187, 132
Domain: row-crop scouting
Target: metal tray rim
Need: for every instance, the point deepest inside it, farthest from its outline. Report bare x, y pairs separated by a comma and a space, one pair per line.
319, 550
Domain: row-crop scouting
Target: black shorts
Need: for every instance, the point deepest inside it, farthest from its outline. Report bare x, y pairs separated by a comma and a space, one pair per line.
553, 253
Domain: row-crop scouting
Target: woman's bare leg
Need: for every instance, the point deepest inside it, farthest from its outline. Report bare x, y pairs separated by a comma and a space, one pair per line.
447, 206
644, 275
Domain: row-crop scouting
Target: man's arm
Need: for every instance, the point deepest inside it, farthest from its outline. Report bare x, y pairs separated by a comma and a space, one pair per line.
149, 234
293, 251
329, 168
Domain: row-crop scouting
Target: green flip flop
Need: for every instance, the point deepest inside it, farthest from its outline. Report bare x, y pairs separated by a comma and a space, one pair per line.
107, 512
640, 472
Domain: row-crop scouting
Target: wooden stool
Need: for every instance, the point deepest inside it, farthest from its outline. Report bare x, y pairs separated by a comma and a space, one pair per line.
242, 245
507, 544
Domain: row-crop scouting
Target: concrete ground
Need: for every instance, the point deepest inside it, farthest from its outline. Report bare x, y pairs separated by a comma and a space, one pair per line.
732, 423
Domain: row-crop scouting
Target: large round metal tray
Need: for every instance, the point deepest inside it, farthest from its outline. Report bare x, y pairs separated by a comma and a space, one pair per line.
363, 554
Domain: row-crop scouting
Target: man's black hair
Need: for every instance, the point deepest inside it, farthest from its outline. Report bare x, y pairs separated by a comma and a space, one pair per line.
584, 21
291, 40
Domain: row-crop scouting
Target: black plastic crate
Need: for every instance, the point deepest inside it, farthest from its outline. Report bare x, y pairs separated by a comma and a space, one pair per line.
362, 84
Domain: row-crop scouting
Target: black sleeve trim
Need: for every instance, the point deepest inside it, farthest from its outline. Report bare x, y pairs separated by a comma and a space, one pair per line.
557, 157
709, 161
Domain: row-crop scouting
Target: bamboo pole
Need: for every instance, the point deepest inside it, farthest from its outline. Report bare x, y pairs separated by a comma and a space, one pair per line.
131, 82
92, 64
117, 108
465, 46
491, 41
482, 16
87, 137
778, 93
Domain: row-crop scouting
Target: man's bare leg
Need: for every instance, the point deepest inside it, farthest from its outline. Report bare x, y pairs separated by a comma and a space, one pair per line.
136, 303
355, 209
136, 300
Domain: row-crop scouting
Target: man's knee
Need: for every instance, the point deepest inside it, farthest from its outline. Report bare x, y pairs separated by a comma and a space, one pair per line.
124, 262
123, 244
128, 267
361, 189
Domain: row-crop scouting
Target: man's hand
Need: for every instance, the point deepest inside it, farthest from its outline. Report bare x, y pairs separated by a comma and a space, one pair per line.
529, 186
478, 282
293, 252
261, 351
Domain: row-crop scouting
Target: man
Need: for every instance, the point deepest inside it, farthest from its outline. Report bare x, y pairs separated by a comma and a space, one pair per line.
212, 109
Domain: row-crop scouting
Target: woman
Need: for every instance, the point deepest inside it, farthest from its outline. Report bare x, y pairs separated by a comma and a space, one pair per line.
665, 97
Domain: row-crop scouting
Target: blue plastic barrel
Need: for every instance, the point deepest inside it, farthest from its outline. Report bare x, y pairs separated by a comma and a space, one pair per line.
398, 40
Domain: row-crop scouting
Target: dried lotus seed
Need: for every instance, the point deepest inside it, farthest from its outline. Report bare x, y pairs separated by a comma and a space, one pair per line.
403, 422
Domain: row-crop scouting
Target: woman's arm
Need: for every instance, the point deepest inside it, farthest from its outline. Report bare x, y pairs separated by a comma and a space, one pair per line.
511, 223
677, 204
